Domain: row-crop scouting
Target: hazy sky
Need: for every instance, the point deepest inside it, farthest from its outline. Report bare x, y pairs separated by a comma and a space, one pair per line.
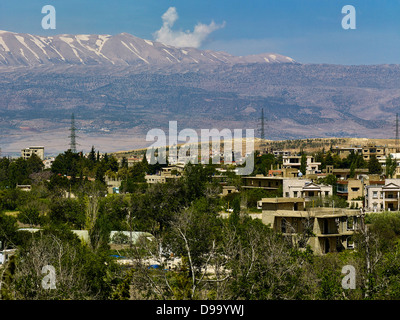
309, 31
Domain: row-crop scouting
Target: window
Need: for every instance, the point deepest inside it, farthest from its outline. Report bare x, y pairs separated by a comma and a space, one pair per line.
295, 194
283, 226
350, 243
350, 223
375, 195
287, 194
326, 193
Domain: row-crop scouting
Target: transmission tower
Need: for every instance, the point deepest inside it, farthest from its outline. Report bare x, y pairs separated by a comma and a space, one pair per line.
72, 136
262, 129
397, 133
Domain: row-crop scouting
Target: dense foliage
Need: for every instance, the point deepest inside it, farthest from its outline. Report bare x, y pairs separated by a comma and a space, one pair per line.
199, 253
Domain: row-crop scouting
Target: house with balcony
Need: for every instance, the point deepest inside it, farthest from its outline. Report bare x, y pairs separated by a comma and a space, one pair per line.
305, 188
294, 162
383, 197
323, 229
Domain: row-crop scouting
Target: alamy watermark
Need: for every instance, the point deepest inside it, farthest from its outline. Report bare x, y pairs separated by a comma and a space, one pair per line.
188, 150
349, 280
49, 280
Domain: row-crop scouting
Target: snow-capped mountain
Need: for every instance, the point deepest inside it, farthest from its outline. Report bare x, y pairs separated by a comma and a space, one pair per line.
21, 49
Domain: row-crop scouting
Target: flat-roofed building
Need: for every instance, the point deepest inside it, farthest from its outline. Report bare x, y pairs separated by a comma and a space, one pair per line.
28, 152
312, 167
378, 151
323, 229
260, 181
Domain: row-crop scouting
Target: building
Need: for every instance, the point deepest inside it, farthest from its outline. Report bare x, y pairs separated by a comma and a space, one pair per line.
294, 162
282, 153
284, 173
378, 151
113, 183
383, 197
344, 152
260, 181
228, 190
304, 188
323, 229
28, 152
344, 174
24, 187
352, 190
48, 162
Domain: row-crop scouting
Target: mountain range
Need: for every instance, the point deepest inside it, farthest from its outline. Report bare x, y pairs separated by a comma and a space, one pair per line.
119, 87
123, 49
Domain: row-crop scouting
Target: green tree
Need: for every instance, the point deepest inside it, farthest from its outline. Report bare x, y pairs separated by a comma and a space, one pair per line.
303, 164
374, 167
390, 167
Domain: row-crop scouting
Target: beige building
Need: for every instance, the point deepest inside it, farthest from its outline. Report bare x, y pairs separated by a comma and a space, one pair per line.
331, 229
260, 181
28, 152
378, 151
344, 174
295, 163
352, 190
344, 152
113, 184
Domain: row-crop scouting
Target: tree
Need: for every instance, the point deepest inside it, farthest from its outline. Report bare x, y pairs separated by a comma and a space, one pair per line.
390, 167
79, 274
303, 164
374, 167
34, 164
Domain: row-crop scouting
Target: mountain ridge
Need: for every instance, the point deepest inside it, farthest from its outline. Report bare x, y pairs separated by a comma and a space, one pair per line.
23, 49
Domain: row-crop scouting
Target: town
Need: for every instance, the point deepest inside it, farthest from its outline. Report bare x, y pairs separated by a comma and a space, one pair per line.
194, 231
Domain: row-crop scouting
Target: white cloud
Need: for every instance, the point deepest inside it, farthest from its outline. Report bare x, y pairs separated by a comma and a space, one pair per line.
183, 38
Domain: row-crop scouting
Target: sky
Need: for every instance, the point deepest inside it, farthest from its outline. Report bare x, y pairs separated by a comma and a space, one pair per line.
309, 31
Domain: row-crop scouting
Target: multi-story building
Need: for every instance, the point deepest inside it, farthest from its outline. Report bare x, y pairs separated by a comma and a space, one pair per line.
312, 167
378, 151
323, 229
283, 153
344, 152
304, 188
344, 174
28, 152
352, 190
383, 197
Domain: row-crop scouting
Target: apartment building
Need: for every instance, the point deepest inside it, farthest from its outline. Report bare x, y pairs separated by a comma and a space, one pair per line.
378, 151
28, 152
331, 229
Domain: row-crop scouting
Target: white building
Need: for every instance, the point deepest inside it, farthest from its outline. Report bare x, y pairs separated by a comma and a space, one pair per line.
383, 197
305, 188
